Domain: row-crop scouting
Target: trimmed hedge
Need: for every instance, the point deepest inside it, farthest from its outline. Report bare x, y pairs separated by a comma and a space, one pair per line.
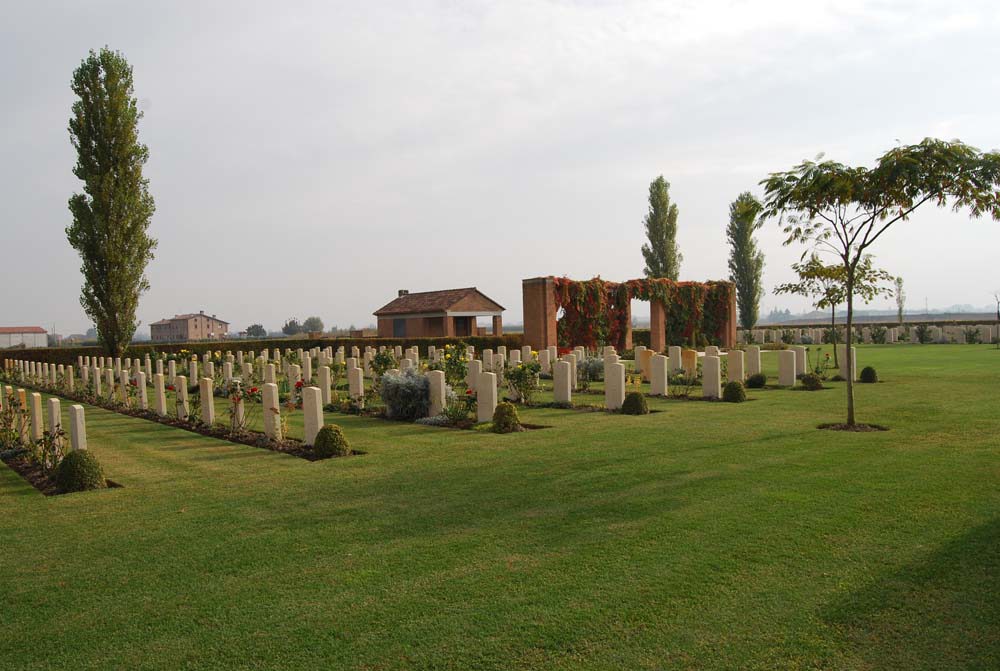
68, 355
331, 442
635, 404
734, 392
505, 418
80, 471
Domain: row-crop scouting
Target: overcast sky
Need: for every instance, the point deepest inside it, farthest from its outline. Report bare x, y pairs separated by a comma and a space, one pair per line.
313, 158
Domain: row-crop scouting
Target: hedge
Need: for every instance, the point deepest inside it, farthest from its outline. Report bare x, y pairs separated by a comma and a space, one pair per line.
68, 355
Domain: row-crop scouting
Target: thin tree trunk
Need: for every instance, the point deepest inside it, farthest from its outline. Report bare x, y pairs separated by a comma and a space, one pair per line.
847, 350
833, 331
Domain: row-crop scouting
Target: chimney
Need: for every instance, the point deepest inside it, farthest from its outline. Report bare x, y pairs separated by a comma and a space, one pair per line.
201, 312
403, 292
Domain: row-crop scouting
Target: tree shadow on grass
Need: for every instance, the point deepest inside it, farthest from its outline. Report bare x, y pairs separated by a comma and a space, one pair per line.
943, 613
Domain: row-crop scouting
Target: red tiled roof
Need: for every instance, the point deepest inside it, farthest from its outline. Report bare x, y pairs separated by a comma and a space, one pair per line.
5, 330
430, 301
190, 315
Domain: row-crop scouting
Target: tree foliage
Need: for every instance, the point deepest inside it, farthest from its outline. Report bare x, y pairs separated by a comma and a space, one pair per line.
846, 209
291, 327
312, 325
112, 215
746, 262
660, 253
256, 331
900, 297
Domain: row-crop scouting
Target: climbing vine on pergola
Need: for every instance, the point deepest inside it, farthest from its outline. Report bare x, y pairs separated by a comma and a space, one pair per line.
597, 312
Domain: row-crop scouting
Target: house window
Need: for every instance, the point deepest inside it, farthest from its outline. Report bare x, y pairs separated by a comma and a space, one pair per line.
398, 328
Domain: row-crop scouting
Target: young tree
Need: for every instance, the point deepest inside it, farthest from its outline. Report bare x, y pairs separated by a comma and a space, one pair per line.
746, 262
111, 217
312, 325
256, 331
900, 297
846, 209
291, 327
661, 255
827, 284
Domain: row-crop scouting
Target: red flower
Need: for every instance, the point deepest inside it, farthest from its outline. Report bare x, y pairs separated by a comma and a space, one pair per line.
468, 392
298, 385
253, 390
170, 387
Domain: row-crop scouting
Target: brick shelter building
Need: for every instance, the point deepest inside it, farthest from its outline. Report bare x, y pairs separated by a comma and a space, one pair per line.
430, 314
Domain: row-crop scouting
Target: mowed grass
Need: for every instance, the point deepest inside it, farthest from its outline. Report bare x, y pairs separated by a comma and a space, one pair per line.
708, 536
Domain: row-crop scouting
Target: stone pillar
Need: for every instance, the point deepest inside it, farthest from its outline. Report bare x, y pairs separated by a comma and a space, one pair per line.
55, 415
658, 374
526, 353
676, 361
207, 401
271, 409
800, 359
752, 360
307, 368
324, 384
539, 302
35, 410
210, 369
574, 379
123, 384
842, 358
614, 386
227, 372
657, 327
486, 396
689, 362
562, 370
487, 360
181, 391
159, 395
140, 388
171, 372
711, 377
436, 378
711, 350
644, 359
356, 383
312, 413
515, 357
786, 368
543, 361
70, 379
475, 369
109, 380
193, 369
294, 375
497, 325
270, 374
77, 428
734, 365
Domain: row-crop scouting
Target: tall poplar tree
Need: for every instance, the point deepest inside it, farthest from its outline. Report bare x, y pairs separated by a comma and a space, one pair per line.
662, 257
111, 217
746, 262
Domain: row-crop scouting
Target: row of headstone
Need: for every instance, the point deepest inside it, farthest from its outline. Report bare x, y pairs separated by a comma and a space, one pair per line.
33, 430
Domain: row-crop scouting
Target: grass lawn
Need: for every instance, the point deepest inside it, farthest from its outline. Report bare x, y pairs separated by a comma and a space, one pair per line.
707, 536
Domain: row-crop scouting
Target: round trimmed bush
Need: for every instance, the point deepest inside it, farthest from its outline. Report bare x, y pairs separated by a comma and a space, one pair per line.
331, 442
756, 381
505, 419
812, 382
80, 471
635, 404
868, 375
734, 392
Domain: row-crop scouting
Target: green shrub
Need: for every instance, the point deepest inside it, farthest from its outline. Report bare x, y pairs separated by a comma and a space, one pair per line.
331, 442
879, 334
505, 419
80, 471
635, 404
734, 392
407, 395
812, 382
868, 375
756, 381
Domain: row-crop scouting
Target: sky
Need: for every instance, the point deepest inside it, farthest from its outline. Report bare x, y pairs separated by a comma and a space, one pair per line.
312, 158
